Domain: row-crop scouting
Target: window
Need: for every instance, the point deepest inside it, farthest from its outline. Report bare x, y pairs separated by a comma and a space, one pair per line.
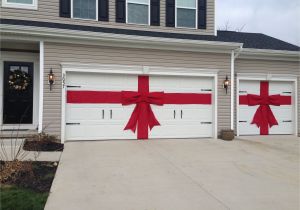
186, 13
22, 4
85, 9
138, 11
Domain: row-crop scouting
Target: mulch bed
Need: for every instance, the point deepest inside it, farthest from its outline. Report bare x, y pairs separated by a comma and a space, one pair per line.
37, 176
43, 146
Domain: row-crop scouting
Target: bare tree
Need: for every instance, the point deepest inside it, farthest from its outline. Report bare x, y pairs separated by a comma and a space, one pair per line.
227, 27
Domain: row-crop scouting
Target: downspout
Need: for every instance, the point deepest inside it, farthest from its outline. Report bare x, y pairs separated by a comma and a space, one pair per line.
234, 54
41, 87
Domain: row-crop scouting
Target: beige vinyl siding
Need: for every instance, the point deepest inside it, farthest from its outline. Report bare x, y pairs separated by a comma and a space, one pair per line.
48, 11
270, 67
56, 53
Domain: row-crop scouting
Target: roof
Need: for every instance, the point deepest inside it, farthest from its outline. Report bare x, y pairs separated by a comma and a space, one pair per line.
250, 40
256, 41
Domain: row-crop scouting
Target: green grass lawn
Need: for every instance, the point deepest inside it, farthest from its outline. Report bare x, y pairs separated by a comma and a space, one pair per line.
15, 198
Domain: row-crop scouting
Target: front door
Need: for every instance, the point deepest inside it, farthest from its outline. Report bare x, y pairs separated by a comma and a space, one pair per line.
18, 93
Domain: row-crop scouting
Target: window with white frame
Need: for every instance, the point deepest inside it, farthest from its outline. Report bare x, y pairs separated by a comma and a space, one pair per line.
22, 4
138, 11
85, 9
186, 13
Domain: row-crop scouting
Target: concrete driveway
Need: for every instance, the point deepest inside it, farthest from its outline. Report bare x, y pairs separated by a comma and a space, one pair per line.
255, 173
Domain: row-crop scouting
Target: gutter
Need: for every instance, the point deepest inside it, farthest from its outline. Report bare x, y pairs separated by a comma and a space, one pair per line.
110, 39
266, 54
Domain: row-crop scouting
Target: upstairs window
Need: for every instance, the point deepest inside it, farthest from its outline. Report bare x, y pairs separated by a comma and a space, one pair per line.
84, 9
138, 11
186, 13
22, 4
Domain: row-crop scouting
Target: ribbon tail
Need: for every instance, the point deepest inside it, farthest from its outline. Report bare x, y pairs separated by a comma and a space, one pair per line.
271, 118
258, 117
132, 123
152, 121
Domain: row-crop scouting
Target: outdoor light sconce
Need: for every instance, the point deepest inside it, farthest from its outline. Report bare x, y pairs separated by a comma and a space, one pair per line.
226, 84
51, 79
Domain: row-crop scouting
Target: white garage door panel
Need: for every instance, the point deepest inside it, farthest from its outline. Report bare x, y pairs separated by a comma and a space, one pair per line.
97, 132
90, 116
190, 131
101, 113
284, 119
283, 113
195, 120
190, 121
246, 116
102, 82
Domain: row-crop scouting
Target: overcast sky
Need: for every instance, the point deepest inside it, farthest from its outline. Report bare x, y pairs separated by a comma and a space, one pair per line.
277, 18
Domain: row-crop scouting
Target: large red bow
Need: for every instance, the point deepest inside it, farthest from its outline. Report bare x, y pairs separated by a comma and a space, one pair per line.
264, 115
142, 113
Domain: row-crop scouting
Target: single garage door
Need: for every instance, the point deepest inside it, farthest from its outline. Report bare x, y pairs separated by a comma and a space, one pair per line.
266, 103
94, 111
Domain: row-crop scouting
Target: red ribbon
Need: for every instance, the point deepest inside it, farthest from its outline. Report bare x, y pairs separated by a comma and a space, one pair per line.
142, 117
264, 117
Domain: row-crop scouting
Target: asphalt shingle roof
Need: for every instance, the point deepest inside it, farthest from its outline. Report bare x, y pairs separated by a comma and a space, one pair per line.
250, 40
256, 41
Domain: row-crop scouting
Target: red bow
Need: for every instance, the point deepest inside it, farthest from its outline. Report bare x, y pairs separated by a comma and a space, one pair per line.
142, 113
264, 115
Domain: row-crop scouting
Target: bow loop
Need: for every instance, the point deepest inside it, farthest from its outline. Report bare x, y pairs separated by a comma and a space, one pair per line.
130, 97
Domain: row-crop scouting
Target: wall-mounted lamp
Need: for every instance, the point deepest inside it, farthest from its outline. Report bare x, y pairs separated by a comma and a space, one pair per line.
51, 79
226, 84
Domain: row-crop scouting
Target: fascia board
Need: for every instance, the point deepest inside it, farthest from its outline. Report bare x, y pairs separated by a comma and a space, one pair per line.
130, 40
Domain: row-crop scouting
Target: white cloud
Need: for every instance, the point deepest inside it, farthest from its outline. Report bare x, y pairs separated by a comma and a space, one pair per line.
277, 18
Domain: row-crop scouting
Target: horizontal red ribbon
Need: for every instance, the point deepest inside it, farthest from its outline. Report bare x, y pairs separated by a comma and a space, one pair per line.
283, 100
114, 97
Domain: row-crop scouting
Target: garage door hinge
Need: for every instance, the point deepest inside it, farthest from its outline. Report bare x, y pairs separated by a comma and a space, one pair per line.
285, 121
242, 91
287, 92
207, 90
72, 123
206, 123
73, 86
242, 121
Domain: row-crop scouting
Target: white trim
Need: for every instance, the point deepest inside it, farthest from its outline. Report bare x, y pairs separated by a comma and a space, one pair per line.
149, 12
136, 70
232, 90
77, 18
33, 6
191, 8
63, 107
22, 57
216, 107
41, 92
268, 77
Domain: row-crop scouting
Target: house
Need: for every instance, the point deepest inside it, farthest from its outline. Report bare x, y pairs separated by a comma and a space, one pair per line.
112, 69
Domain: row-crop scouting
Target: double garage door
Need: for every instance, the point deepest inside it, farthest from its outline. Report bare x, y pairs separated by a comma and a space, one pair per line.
284, 114
96, 121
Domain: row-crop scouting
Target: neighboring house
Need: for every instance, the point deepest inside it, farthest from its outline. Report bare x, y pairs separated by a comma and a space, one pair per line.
167, 52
